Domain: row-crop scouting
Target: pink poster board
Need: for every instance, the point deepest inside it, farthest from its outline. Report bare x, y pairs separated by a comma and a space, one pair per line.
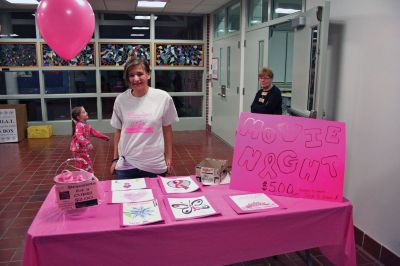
289, 156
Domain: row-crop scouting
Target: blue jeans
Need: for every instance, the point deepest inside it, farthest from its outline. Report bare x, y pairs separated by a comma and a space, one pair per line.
135, 173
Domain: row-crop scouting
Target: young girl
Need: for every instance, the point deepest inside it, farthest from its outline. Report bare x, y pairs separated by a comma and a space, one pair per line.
80, 143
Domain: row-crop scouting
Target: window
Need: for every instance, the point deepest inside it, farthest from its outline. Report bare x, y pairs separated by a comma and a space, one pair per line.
90, 105
228, 67
112, 81
234, 17
179, 80
179, 27
124, 26
257, 12
35, 75
19, 82
282, 8
260, 55
18, 25
73, 81
33, 107
60, 109
188, 106
142, 31
220, 66
107, 107
219, 23
280, 53
313, 64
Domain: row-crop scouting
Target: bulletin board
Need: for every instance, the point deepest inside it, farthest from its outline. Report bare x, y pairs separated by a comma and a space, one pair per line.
116, 54
85, 58
18, 54
179, 54
214, 68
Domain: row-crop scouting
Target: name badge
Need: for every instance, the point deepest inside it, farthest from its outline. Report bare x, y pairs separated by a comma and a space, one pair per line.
264, 93
261, 100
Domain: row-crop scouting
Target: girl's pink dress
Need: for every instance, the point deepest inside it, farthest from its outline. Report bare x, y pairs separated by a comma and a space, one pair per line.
80, 142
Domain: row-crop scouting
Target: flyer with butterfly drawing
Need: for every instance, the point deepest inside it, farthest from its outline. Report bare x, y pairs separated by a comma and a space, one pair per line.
138, 213
255, 202
128, 184
183, 184
138, 195
186, 208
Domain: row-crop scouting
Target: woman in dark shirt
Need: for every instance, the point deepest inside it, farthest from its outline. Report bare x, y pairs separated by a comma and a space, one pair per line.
268, 99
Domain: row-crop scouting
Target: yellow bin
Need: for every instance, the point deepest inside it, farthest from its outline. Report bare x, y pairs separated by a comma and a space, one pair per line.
39, 132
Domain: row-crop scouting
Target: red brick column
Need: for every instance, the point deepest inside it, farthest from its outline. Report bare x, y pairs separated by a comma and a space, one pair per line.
208, 127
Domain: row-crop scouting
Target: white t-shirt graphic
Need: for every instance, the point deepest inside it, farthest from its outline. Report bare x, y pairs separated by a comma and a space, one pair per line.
141, 120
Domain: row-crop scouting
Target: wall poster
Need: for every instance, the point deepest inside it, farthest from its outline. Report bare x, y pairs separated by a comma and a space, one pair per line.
289, 156
214, 68
8, 126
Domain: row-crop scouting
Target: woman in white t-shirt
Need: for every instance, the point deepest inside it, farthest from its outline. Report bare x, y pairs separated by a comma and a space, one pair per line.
142, 119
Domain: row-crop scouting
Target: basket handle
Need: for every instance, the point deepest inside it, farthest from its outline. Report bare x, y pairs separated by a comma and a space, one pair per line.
67, 163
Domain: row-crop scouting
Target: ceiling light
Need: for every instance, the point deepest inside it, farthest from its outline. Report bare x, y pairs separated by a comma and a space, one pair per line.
286, 10
140, 28
151, 4
14, 35
137, 35
145, 17
23, 2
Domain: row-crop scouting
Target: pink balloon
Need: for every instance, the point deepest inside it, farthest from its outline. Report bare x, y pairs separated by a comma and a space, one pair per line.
66, 25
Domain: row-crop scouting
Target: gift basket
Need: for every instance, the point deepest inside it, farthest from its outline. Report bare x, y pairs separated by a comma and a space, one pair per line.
75, 188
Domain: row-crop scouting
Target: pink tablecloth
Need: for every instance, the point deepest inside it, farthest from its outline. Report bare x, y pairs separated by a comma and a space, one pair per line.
96, 238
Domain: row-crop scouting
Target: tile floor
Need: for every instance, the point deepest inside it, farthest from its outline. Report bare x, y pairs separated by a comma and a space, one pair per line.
27, 169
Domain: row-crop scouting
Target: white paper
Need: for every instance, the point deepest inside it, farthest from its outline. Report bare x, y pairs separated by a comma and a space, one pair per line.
256, 201
8, 126
132, 195
138, 213
183, 208
128, 184
183, 184
77, 195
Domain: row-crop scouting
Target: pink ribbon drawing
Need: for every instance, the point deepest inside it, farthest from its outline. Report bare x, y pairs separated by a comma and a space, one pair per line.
180, 184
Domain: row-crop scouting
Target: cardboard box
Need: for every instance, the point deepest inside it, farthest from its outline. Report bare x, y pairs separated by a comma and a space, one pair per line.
40, 132
213, 172
13, 122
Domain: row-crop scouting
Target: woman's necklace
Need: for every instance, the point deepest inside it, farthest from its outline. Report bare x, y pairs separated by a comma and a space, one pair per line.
264, 94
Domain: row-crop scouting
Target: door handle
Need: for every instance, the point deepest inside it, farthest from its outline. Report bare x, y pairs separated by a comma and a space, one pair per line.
222, 93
